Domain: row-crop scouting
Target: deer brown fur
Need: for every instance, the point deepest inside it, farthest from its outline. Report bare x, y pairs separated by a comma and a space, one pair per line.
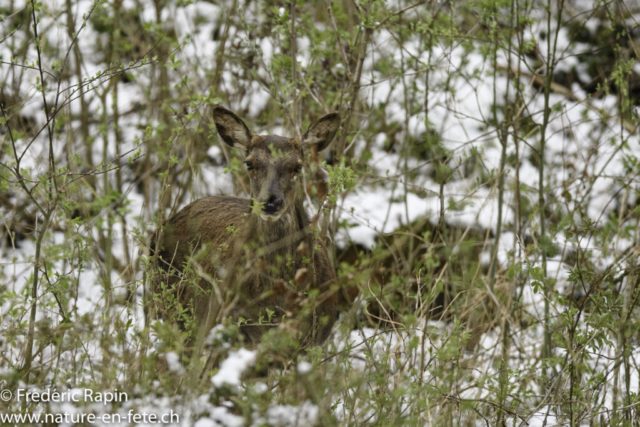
253, 256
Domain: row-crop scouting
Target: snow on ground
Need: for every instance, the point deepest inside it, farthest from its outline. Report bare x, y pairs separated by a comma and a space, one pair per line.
371, 208
232, 368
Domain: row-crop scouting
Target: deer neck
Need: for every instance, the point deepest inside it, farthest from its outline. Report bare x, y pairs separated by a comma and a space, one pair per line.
281, 238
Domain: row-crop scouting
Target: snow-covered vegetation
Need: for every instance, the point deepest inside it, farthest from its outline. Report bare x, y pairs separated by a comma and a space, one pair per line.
483, 208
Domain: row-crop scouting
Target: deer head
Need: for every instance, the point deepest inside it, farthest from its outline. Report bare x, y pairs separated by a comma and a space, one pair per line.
274, 163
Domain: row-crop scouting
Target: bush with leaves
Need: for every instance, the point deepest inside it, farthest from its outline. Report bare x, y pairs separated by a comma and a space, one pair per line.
482, 205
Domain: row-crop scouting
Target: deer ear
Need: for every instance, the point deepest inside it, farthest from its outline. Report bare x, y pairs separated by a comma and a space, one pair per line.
322, 131
231, 128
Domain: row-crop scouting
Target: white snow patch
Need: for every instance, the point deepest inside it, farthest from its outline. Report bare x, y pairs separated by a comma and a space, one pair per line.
232, 368
173, 360
287, 415
304, 367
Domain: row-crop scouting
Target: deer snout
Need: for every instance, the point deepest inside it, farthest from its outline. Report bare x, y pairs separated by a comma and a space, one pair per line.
272, 205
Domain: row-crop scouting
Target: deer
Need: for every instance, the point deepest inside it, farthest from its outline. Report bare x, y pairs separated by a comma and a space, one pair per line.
255, 260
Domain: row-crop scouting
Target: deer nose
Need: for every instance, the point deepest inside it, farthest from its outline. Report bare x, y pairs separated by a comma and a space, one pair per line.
273, 205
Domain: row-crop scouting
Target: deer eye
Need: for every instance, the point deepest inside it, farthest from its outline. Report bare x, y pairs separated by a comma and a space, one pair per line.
298, 168
249, 165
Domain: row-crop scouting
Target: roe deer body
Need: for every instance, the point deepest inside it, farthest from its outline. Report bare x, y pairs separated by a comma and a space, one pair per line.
255, 258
